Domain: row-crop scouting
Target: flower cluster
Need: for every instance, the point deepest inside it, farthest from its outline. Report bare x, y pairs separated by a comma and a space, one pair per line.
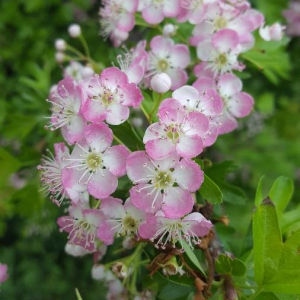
292, 15
157, 202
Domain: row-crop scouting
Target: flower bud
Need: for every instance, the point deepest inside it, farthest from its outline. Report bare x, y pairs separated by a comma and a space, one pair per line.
171, 267
87, 72
272, 33
128, 242
137, 121
161, 83
60, 45
60, 57
120, 270
98, 272
75, 250
74, 30
169, 30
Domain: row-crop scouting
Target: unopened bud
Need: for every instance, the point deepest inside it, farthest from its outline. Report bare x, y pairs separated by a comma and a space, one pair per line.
161, 83
137, 122
272, 33
120, 270
60, 57
98, 272
60, 45
75, 250
169, 30
74, 30
87, 72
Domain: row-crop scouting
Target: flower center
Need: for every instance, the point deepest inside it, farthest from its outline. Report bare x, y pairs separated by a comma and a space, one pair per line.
221, 60
163, 179
107, 97
129, 224
220, 23
93, 161
173, 134
162, 65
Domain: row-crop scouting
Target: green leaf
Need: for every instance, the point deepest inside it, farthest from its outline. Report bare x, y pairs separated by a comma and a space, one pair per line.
191, 255
126, 134
174, 291
78, 294
281, 193
9, 165
276, 264
226, 265
210, 191
259, 193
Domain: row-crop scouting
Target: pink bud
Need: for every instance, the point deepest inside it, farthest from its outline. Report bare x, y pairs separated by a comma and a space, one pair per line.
161, 83
272, 33
87, 72
60, 57
74, 30
60, 45
169, 30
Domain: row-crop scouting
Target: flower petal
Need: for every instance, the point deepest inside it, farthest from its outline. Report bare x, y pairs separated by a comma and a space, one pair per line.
117, 114
240, 105
229, 85
189, 146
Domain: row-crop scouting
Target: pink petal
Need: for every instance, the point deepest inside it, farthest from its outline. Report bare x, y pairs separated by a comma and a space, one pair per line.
117, 114
74, 131
66, 88
153, 14
160, 44
205, 50
188, 175
113, 77
139, 166
94, 111
211, 136
196, 124
204, 84
147, 230
177, 203
240, 105
179, 78
171, 8
132, 95
143, 201
135, 74
187, 96
170, 103
114, 160
171, 115
126, 22
226, 123
61, 152
102, 184
189, 146
112, 208
180, 56
229, 85
225, 40
198, 224
159, 148
203, 70
211, 104
98, 136
153, 132
106, 232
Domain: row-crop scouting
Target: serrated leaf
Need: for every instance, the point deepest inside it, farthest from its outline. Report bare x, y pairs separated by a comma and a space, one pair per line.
210, 191
226, 265
191, 255
281, 193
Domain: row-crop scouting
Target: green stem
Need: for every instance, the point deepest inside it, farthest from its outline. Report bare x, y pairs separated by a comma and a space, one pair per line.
120, 142
155, 107
145, 113
252, 297
85, 46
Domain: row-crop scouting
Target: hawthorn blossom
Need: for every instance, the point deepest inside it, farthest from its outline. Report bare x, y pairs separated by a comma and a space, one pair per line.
78, 71
177, 131
117, 19
107, 97
164, 231
237, 104
292, 15
166, 57
120, 219
3, 273
134, 63
81, 224
163, 184
95, 165
154, 11
201, 97
223, 16
272, 33
66, 110
221, 51
193, 10
51, 171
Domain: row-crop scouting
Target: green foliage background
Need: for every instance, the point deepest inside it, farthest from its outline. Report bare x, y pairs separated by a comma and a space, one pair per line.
267, 143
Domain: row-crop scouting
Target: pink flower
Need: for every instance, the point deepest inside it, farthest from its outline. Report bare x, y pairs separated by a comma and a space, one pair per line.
221, 51
154, 11
204, 99
51, 168
66, 110
166, 57
272, 33
135, 63
3, 273
237, 104
81, 224
108, 96
95, 165
292, 15
177, 131
120, 219
165, 231
222, 16
117, 19
163, 184
193, 10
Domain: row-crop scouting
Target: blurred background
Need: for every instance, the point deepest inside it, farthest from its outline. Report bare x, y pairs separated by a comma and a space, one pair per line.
266, 143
